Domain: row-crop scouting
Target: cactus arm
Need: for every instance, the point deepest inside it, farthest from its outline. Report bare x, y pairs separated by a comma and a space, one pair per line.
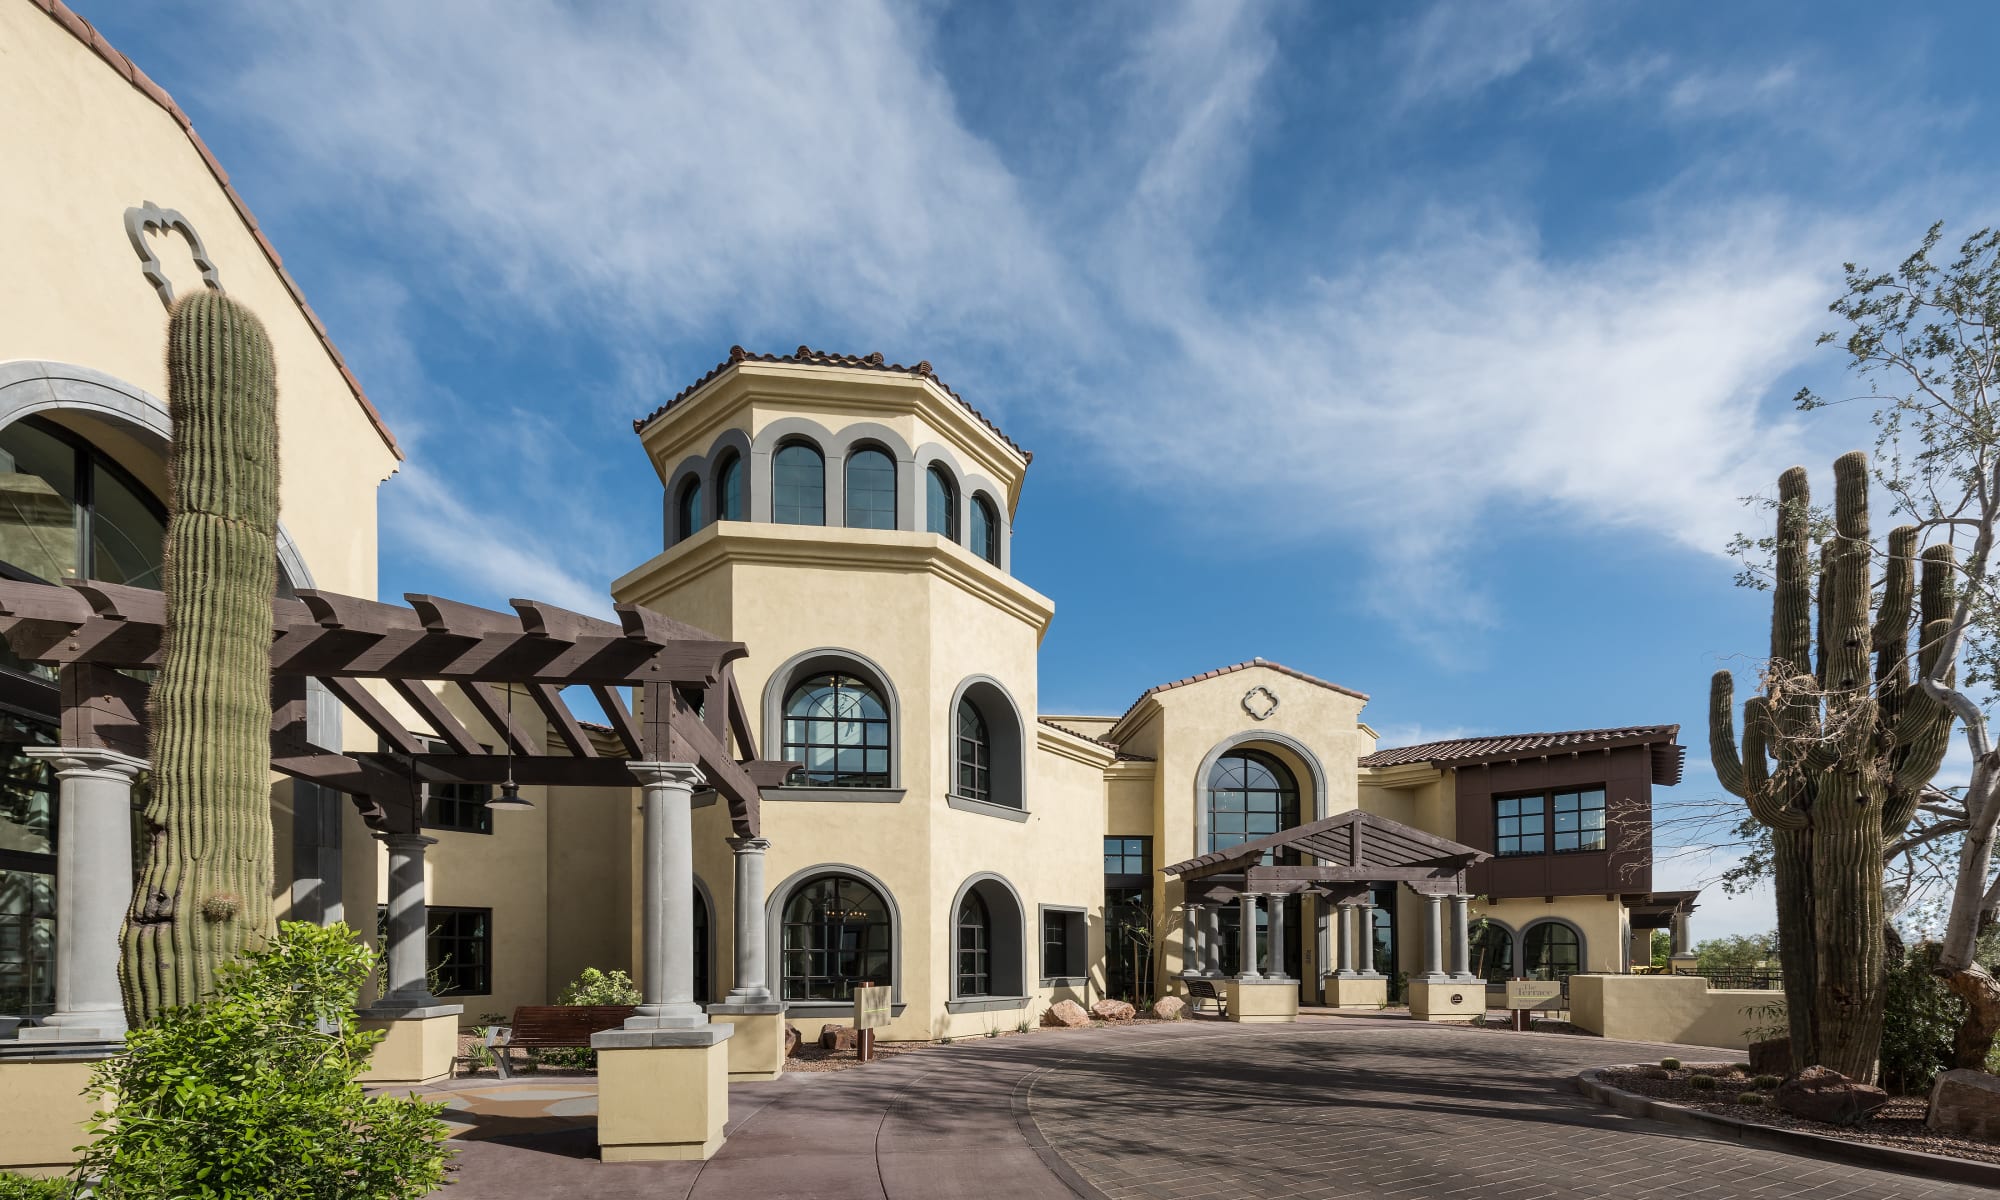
1722, 734
1892, 620
1791, 599
1770, 804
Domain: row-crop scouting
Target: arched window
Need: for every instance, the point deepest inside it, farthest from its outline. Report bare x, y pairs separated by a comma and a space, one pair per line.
838, 727
985, 530
836, 935
940, 503
975, 753
69, 512
798, 485
1550, 950
1492, 949
700, 947
729, 488
1250, 795
687, 511
975, 947
871, 490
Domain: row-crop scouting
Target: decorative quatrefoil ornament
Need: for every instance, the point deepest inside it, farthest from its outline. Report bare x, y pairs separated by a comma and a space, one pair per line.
1260, 702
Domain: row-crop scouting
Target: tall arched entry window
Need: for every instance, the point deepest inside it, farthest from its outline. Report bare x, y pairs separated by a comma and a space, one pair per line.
1551, 950
1252, 795
687, 511
871, 490
729, 488
975, 947
940, 503
838, 727
1492, 951
798, 485
836, 935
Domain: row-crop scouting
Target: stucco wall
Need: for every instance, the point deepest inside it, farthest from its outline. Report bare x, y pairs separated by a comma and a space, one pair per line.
1670, 1008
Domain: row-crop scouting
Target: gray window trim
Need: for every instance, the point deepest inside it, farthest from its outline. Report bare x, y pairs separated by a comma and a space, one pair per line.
986, 808
833, 1008
833, 795
994, 889
979, 1004
774, 931
824, 658
1009, 766
1527, 927
1077, 953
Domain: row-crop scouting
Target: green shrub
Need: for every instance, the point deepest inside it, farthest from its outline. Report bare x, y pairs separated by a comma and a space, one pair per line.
1920, 1017
25, 1187
1766, 1083
591, 987
1671, 1064
1702, 1083
1740, 1068
1751, 1098
253, 1092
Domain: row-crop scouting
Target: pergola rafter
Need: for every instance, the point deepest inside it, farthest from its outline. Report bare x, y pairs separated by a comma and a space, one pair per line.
96, 633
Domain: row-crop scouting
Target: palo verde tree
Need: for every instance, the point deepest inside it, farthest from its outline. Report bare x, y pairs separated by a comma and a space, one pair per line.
1836, 753
204, 895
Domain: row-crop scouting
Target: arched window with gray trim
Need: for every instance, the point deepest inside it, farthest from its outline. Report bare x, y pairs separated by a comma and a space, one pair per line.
975, 753
837, 934
687, 511
989, 944
1250, 795
975, 947
1491, 950
729, 488
798, 485
837, 727
1551, 950
940, 502
871, 490
985, 533
987, 741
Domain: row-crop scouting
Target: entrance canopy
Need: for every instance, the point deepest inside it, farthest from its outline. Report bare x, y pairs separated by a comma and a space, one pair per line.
1355, 849
97, 634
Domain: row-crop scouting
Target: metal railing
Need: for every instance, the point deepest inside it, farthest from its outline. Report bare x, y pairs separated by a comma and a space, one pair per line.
1746, 979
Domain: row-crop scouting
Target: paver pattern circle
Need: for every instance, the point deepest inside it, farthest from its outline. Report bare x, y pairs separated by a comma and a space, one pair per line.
1366, 1108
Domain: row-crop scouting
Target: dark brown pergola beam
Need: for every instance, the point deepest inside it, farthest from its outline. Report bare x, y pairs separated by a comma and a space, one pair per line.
441, 719
494, 711
357, 700
564, 722
620, 717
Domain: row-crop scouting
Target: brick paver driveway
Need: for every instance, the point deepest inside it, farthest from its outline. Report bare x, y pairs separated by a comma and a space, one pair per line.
1337, 1107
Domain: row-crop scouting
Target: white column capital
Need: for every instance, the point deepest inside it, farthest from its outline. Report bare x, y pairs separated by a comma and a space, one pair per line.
750, 845
88, 762
654, 773
408, 842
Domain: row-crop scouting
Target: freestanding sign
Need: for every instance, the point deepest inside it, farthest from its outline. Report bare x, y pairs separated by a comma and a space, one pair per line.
871, 1012
1524, 995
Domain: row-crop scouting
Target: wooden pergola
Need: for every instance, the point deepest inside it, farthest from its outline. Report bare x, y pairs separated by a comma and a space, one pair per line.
690, 710
1355, 851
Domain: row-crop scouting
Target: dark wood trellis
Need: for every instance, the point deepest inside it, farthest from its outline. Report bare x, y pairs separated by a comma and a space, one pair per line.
102, 637
1355, 850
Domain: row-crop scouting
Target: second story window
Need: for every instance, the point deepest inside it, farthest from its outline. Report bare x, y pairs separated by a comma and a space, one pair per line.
1564, 821
871, 490
1579, 820
798, 485
1519, 825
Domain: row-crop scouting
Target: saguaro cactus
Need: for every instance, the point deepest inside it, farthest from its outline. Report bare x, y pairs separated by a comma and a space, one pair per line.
205, 890
1852, 756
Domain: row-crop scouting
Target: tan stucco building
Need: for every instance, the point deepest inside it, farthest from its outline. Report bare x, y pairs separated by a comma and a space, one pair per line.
850, 521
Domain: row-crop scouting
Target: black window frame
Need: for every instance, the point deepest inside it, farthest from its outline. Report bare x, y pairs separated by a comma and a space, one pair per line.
972, 760
1583, 812
1514, 840
1065, 944
1528, 941
687, 510
1547, 834
873, 516
821, 942
972, 945
1286, 805
797, 743
940, 486
1128, 857
729, 487
797, 512
985, 528
87, 461
442, 966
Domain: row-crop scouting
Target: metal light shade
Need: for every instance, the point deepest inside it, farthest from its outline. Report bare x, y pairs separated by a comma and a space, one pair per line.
510, 798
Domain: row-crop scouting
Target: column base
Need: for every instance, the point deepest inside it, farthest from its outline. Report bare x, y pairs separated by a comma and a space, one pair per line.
661, 1094
1447, 1001
1357, 991
1263, 1001
418, 1046
757, 1049
46, 1108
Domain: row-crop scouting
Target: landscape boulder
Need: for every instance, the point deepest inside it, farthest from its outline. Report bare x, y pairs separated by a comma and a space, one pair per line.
1772, 1057
838, 1037
792, 1039
1113, 1010
1169, 1008
1065, 1014
1966, 1104
1825, 1095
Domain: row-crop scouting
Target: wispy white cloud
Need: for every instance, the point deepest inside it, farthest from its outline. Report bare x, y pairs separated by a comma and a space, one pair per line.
1455, 48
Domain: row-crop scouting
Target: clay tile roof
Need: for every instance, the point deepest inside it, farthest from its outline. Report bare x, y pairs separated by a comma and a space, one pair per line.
1108, 745
807, 356
1458, 752
83, 31
1281, 668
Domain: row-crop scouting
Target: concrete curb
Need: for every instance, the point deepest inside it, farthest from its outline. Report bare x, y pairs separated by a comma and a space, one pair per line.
1791, 1141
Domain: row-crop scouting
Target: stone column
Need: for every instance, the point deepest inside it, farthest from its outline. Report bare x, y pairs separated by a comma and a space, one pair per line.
1276, 952
1344, 922
667, 917
1247, 937
753, 984
409, 975
1211, 940
1680, 947
1461, 940
1433, 940
93, 890
1364, 938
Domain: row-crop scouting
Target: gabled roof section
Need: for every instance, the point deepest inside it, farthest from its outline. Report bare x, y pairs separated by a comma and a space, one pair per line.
1218, 672
807, 356
1107, 744
1351, 839
84, 32
1668, 756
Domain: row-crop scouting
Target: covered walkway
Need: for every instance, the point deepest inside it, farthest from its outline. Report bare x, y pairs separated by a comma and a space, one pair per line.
1331, 1107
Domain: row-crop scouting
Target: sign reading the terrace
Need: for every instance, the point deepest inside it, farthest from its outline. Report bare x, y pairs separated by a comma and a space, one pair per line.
871, 1007
1533, 993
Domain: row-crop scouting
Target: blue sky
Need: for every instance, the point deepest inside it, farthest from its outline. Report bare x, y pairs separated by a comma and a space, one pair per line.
1424, 348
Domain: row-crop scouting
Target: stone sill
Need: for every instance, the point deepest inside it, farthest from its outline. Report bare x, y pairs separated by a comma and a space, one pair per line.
979, 1004
987, 808
836, 795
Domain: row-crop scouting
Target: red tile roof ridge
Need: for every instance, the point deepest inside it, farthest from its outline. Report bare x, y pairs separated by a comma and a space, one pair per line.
807, 356
1500, 744
86, 33
1077, 733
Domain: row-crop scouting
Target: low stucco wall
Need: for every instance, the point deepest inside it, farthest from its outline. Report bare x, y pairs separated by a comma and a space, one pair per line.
1680, 1009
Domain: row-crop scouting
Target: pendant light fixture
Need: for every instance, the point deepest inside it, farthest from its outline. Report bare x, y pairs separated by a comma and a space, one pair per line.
510, 798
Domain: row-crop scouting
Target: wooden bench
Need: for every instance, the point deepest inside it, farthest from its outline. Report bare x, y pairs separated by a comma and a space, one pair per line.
1203, 989
551, 1026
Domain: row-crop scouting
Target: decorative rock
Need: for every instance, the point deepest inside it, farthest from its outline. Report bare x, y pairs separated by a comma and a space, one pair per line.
1065, 1014
1169, 1008
792, 1039
838, 1037
1966, 1104
1821, 1094
1113, 1010
1773, 1057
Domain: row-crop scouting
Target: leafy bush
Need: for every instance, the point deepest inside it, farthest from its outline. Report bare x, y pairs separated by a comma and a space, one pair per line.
26, 1187
1920, 1016
253, 1092
591, 987
1701, 1083
1671, 1064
